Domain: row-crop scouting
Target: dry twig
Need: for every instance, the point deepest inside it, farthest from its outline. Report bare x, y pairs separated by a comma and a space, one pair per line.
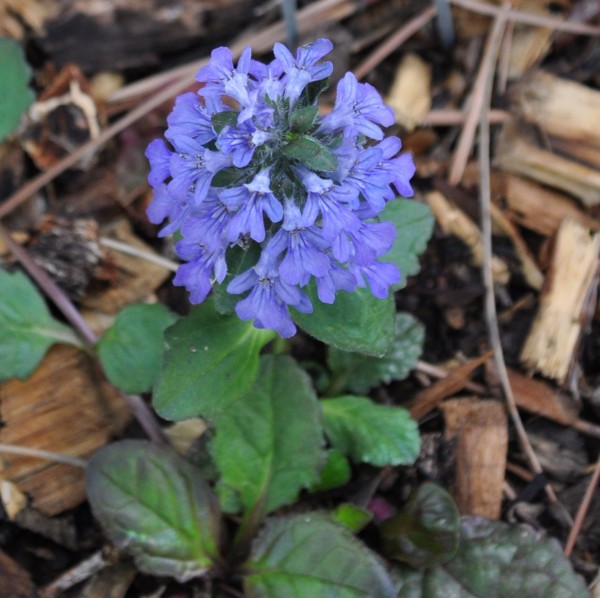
80, 572
393, 42
519, 16
136, 252
492, 48
27, 451
583, 509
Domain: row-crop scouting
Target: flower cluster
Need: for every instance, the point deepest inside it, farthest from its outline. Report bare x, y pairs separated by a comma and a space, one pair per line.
251, 164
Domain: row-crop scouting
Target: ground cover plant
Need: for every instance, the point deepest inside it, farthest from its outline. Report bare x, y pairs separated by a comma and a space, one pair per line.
296, 233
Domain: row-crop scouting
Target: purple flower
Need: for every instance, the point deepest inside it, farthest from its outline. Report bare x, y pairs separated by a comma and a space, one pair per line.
380, 276
368, 178
336, 279
162, 205
372, 240
201, 269
303, 69
207, 225
303, 245
222, 78
192, 173
159, 156
332, 203
191, 119
249, 203
241, 168
399, 169
269, 298
358, 106
241, 141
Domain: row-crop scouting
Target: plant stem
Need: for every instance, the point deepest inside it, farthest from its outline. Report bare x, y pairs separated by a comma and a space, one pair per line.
251, 521
280, 346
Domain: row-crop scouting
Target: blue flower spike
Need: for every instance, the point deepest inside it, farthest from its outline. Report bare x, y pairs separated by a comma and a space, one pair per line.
249, 162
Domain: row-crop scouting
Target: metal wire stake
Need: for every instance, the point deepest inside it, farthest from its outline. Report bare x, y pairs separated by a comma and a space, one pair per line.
288, 8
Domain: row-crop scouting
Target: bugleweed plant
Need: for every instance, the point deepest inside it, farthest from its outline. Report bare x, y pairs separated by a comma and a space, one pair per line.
285, 219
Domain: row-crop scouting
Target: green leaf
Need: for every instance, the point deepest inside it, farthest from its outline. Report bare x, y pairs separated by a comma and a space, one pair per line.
310, 556
238, 260
495, 560
414, 223
14, 90
311, 153
27, 328
131, 349
313, 90
270, 446
427, 530
371, 433
359, 373
232, 176
357, 321
152, 503
210, 361
303, 118
335, 473
352, 517
220, 120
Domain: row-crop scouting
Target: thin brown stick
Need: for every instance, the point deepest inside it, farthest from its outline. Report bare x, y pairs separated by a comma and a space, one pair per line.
393, 42
448, 118
492, 49
28, 451
527, 18
583, 510
80, 572
437, 372
136, 404
139, 253
476, 103
504, 62
586, 427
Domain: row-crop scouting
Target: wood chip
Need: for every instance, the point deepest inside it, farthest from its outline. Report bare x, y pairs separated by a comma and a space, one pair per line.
455, 222
529, 45
560, 108
478, 431
539, 209
410, 95
429, 398
13, 500
518, 152
538, 397
564, 310
529, 269
64, 407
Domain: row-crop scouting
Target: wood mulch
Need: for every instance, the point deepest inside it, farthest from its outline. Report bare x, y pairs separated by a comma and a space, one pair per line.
507, 392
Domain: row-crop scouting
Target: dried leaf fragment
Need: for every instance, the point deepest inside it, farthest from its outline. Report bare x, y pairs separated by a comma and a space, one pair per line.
410, 95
